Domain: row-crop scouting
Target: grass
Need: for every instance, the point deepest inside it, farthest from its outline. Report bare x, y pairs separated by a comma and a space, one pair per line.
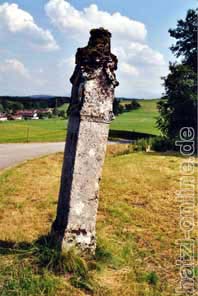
53, 130
50, 130
137, 226
142, 120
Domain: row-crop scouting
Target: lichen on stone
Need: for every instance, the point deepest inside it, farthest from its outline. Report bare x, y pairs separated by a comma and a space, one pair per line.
95, 56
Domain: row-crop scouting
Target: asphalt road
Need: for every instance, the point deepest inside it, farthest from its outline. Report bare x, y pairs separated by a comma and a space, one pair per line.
12, 154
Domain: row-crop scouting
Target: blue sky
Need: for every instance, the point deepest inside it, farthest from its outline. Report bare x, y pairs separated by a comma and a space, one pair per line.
40, 38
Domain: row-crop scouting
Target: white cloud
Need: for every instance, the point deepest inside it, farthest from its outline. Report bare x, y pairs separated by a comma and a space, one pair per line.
17, 22
142, 53
128, 69
140, 67
17, 79
78, 23
14, 67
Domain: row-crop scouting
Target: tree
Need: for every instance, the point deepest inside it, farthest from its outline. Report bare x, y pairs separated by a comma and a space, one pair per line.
62, 113
55, 111
133, 105
117, 107
17, 106
186, 36
178, 107
1, 108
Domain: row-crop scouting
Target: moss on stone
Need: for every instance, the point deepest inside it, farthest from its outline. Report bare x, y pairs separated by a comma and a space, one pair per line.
98, 50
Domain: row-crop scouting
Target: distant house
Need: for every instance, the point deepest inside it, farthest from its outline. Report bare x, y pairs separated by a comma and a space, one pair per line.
44, 113
3, 117
30, 115
14, 117
27, 114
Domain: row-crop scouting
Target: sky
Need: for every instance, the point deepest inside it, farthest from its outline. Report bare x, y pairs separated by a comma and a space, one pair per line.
39, 40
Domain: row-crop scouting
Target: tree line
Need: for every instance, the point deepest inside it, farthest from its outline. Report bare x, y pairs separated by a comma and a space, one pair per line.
12, 104
119, 107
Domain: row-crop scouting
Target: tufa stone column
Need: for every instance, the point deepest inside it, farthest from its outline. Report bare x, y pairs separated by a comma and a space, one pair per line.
90, 114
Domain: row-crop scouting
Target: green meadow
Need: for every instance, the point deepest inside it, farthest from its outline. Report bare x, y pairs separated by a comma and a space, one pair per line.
53, 130
142, 120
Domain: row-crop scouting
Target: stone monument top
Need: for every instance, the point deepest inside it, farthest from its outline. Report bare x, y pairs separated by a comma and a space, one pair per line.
98, 51
95, 64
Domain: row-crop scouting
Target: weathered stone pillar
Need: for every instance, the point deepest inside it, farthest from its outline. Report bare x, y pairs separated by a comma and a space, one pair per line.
90, 113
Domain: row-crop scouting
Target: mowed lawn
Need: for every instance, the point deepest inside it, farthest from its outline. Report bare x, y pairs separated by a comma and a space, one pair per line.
137, 228
49, 130
52, 130
142, 120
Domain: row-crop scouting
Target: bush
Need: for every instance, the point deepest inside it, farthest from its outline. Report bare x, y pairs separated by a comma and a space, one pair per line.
133, 105
158, 144
142, 144
62, 114
162, 144
43, 115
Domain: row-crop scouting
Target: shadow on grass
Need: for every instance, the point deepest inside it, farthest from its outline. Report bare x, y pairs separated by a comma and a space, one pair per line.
129, 135
25, 268
17, 248
44, 255
47, 251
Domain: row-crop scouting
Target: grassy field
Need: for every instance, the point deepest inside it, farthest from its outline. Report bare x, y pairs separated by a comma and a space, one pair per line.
142, 120
51, 130
137, 225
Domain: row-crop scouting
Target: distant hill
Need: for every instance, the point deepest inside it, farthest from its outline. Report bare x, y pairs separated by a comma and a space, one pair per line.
126, 99
42, 97
35, 97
